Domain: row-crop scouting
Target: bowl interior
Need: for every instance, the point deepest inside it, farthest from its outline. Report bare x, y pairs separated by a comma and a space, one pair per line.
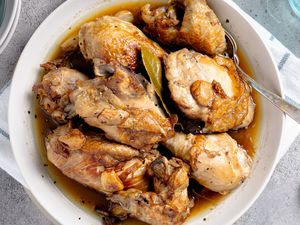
50, 198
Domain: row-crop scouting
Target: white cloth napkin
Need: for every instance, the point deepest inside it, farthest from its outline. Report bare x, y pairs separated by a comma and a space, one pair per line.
288, 65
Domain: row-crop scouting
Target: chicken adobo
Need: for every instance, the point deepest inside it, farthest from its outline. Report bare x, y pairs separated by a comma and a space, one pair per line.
168, 204
113, 40
122, 108
53, 92
119, 103
217, 161
199, 27
96, 162
209, 89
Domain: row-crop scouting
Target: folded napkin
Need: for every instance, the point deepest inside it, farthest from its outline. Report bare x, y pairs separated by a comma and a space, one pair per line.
288, 65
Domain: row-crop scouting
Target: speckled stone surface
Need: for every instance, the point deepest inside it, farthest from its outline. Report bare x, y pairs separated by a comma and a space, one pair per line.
279, 204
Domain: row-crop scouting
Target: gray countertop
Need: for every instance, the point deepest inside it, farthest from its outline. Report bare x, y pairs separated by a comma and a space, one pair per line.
279, 203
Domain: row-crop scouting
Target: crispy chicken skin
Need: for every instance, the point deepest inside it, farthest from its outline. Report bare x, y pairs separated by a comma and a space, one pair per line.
209, 89
217, 161
113, 40
97, 163
199, 28
168, 205
53, 92
122, 108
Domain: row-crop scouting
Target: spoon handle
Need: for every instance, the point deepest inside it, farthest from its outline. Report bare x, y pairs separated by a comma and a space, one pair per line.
279, 102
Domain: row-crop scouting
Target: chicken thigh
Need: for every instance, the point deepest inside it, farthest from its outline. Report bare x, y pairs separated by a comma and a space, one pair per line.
72, 44
217, 161
123, 109
113, 40
53, 92
199, 27
97, 163
210, 90
168, 205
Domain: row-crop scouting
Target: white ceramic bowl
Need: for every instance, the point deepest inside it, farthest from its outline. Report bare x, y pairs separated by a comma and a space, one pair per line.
11, 12
51, 199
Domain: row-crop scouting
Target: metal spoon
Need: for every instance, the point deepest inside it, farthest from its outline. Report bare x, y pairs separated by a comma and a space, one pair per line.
279, 102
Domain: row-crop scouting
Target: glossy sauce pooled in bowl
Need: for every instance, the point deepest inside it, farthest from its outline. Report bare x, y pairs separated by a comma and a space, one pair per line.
89, 199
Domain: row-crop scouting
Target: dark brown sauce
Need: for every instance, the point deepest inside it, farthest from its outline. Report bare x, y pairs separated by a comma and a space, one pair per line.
87, 198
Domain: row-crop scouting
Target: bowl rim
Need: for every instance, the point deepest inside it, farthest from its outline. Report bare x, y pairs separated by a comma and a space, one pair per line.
12, 28
10, 13
13, 90
281, 93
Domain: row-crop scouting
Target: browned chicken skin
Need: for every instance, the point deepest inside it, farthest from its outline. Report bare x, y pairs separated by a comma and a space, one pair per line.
112, 40
199, 28
122, 108
217, 161
209, 89
171, 182
54, 90
161, 23
97, 163
168, 205
72, 43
